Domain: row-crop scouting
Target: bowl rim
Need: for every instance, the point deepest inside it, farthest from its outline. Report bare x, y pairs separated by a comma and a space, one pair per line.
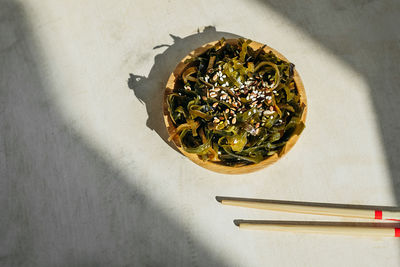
170, 86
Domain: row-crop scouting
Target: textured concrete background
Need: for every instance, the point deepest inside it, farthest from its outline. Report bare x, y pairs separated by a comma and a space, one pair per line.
87, 178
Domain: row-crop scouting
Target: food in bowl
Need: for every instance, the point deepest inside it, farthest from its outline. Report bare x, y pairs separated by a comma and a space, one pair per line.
234, 105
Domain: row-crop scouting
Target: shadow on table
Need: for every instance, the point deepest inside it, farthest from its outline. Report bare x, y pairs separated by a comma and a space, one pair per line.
365, 35
149, 90
61, 202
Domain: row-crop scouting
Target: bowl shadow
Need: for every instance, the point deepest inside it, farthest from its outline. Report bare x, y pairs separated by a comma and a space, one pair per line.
150, 90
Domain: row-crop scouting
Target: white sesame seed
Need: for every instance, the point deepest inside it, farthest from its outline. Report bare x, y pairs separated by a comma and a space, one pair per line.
268, 112
224, 76
271, 117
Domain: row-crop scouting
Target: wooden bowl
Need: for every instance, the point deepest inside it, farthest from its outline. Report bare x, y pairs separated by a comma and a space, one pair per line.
217, 167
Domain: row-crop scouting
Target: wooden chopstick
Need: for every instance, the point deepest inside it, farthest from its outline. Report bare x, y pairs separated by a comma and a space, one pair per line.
310, 208
322, 228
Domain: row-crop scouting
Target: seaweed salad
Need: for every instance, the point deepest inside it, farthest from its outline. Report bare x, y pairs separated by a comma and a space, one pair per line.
235, 106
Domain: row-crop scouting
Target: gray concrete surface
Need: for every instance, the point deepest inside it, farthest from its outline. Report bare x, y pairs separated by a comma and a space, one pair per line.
87, 177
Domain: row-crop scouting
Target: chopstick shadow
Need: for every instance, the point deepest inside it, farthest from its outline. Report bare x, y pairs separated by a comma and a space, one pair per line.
150, 90
315, 204
237, 222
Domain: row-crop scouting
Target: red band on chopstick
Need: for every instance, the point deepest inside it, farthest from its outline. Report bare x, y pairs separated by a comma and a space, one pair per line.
397, 232
393, 220
378, 214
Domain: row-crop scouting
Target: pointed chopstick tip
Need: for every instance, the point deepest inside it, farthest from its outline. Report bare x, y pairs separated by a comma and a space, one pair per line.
237, 222
219, 199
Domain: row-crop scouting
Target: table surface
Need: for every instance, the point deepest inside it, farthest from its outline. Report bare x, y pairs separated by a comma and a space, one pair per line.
87, 177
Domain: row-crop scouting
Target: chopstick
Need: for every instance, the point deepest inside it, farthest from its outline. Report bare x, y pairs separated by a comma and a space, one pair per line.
312, 208
321, 228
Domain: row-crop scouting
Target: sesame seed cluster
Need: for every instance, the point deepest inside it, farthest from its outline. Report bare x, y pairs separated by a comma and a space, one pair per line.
257, 95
